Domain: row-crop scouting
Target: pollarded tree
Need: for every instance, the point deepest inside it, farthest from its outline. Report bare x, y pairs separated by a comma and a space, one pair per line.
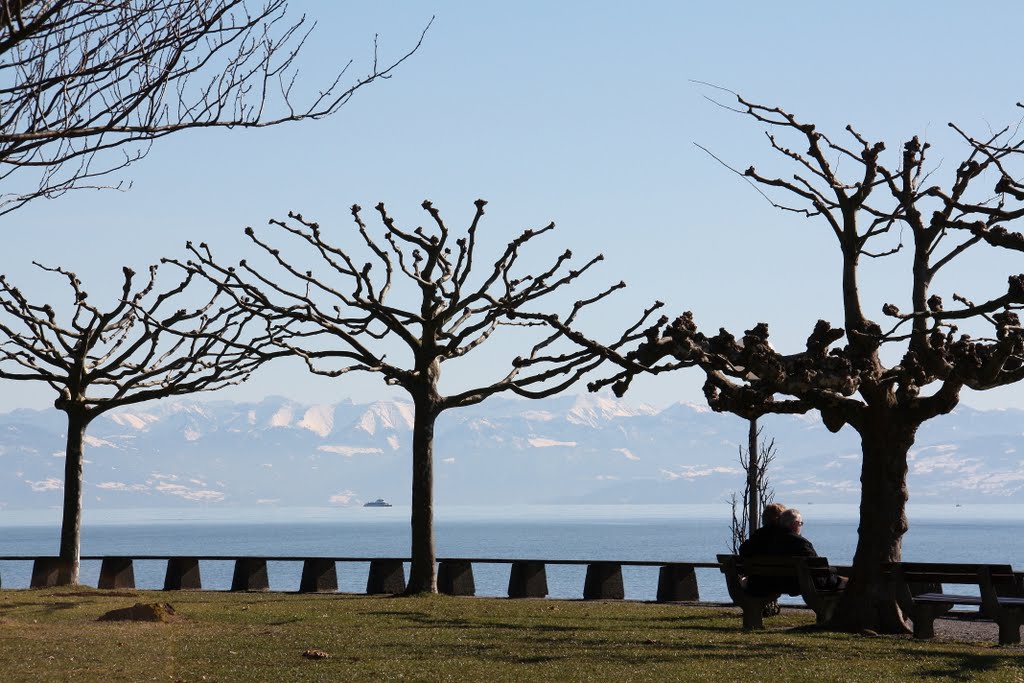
79, 79
422, 299
143, 347
884, 382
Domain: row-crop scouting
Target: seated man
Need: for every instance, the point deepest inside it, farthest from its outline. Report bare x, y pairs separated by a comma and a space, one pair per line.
788, 542
761, 540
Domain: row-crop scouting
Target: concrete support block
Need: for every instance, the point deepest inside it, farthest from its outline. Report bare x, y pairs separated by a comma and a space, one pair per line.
677, 582
116, 572
386, 576
528, 579
456, 578
318, 576
603, 582
182, 574
250, 575
44, 572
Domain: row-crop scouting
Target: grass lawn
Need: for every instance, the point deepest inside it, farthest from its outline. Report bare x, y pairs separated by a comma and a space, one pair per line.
54, 635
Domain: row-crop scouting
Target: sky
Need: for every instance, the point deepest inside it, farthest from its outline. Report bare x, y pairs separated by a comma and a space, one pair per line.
587, 114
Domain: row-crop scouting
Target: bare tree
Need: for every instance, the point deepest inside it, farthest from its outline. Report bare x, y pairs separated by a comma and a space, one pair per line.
757, 493
875, 209
345, 317
79, 79
138, 349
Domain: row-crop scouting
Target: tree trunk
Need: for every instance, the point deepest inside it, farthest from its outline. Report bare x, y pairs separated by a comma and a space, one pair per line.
71, 523
867, 603
753, 479
423, 569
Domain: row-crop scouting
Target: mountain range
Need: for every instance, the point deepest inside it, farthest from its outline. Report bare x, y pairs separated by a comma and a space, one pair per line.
567, 449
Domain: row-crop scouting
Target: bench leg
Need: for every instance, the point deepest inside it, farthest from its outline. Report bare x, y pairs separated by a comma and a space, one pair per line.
824, 607
250, 575
182, 574
676, 583
386, 576
924, 619
528, 580
45, 572
603, 582
455, 578
116, 572
318, 576
924, 628
753, 619
1009, 628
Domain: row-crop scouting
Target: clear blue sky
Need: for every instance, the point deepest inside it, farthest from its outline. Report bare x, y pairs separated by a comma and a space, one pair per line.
579, 112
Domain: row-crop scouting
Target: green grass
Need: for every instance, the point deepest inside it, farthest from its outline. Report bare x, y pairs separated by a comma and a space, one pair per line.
53, 635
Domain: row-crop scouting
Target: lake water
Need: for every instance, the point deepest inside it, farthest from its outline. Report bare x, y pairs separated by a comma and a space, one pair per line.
665, 533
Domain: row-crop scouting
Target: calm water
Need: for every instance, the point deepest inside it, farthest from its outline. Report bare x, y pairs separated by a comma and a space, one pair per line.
669, 533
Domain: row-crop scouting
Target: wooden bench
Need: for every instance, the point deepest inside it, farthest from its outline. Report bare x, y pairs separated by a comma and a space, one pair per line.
918, 591
804, 570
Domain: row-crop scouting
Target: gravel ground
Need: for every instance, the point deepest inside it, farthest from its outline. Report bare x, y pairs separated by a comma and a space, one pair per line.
961, 627
965, 628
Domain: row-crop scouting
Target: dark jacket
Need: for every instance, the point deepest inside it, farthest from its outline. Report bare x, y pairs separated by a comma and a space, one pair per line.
763, 541
776, 541
793, 545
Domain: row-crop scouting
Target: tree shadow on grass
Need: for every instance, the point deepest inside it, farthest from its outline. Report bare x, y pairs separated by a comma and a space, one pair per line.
631, 653
524, 643
967, 666
46, 606
725, 622
285, 622
421, 619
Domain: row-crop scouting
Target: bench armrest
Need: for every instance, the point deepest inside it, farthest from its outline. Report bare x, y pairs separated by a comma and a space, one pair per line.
732, 577
900, 589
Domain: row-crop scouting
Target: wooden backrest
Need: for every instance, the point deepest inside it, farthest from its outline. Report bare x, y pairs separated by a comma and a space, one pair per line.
776, 566
950, 572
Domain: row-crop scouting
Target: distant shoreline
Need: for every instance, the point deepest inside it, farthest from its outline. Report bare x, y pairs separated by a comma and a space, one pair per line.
611, 512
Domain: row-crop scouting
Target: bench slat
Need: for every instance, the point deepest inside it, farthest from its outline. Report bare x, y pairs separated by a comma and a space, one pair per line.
1010, 602
947, 577
953, 567
948, 597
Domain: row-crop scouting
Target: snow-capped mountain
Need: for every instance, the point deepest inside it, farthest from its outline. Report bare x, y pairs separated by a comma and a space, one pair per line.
587, 449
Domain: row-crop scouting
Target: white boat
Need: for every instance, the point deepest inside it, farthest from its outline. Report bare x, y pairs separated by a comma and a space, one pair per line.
379, 503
